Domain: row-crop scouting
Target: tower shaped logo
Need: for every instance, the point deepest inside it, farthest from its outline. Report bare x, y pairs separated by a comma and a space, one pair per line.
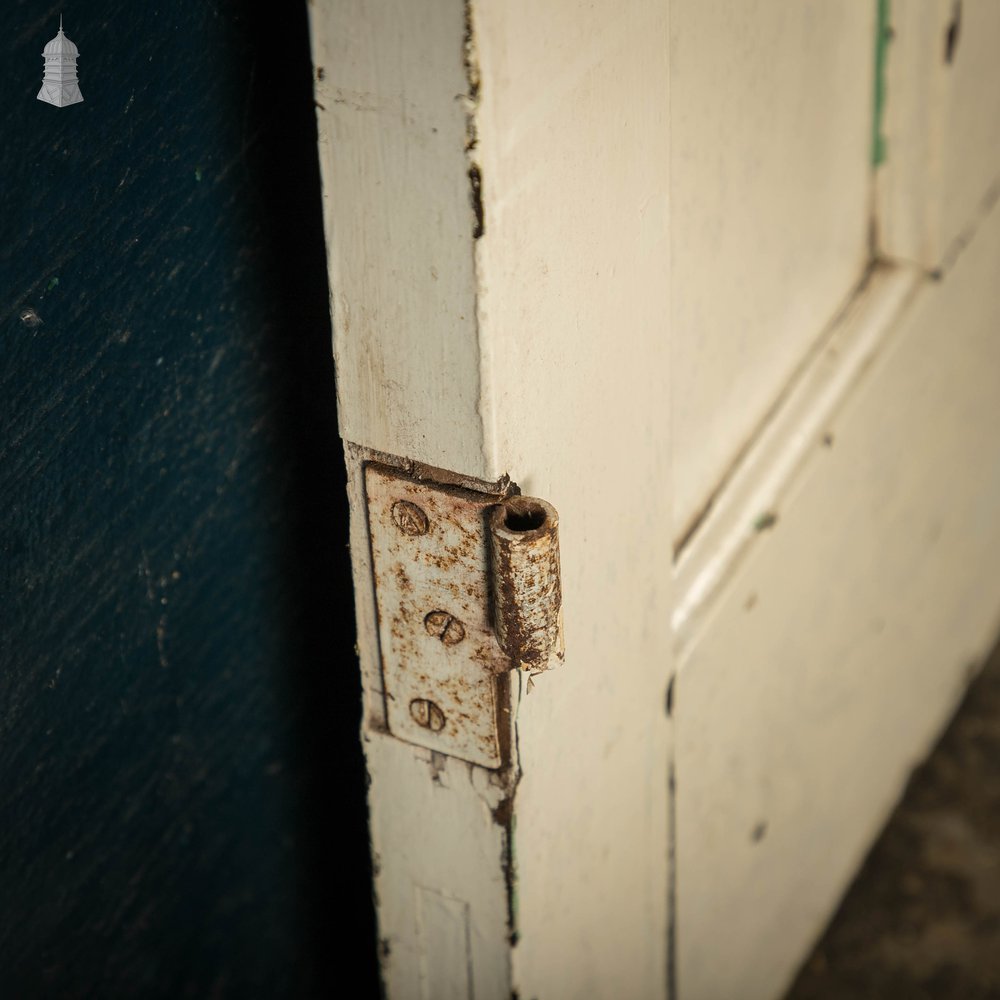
59, 86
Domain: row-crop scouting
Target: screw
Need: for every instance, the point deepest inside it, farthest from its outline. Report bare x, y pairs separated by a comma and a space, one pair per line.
426, 714
409, 518
445, 627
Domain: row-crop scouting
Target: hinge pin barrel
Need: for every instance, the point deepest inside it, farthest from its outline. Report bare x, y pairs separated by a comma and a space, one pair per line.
527, 592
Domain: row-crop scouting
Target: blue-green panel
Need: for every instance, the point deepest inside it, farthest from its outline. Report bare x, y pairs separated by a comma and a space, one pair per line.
181, 786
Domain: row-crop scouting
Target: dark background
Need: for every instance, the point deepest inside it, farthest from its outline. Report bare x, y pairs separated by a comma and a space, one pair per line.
181, 783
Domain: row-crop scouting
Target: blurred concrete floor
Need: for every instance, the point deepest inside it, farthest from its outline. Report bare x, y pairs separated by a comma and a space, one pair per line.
922, 919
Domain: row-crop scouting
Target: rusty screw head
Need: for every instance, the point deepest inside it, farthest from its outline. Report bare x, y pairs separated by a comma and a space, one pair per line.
409, 518
445, 627
426, 714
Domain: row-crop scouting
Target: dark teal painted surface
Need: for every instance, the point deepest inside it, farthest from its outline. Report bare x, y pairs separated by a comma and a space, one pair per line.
181, 788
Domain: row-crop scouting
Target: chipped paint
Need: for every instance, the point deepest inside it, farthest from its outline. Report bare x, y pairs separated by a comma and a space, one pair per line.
473, 78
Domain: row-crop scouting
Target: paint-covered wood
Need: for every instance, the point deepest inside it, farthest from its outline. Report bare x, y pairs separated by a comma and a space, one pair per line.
941, 127
181, 792
523, 251
439, 826
394, 96
573, 131
770, 132
841, 643
756, 486
484, 372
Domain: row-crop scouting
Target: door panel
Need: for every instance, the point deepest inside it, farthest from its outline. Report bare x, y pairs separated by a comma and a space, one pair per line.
554, 376
834, 655
667, 228
770, 163
940, 126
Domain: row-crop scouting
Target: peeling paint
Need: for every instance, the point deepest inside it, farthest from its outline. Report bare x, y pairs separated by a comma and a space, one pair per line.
473, 80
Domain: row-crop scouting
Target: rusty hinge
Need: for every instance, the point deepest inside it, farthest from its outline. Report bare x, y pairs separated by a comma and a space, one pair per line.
467, 589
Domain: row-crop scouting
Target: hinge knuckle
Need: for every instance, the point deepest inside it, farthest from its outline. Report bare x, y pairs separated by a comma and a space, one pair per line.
526, 587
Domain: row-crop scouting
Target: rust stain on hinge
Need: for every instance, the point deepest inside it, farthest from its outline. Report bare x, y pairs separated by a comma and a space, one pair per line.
527, 591
468, 595
466, 589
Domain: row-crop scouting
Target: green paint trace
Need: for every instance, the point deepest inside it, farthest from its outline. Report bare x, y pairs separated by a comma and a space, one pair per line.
883, 35
764, 521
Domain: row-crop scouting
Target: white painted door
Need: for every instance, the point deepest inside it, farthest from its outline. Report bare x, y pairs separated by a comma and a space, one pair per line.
647, 263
